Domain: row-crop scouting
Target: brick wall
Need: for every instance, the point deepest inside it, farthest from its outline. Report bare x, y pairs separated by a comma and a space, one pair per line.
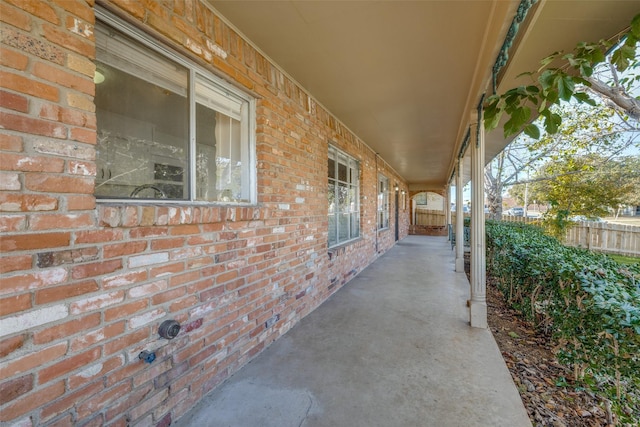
85, 285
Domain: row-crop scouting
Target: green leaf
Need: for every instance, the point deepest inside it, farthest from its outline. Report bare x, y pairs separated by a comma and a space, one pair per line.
532, 131
580, 81
527, 73
584, 97
493, 111
510, 127
565, 88
586, 70
533, 90
552, 121
597, 56
521, 90
523, 114
546, 78
519, 116
548, 60
552, 96
631, 40
619, 61
513, 99
542, 106
635, 26
623, 56
493, 99
492, 116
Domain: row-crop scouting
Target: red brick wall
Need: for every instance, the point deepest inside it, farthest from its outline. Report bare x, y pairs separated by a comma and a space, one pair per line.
85, 285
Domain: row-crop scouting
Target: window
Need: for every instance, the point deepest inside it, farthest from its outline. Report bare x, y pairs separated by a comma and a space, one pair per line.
344, 197
383, 202
168, 130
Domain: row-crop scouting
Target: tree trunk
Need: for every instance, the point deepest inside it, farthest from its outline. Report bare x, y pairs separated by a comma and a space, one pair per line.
494, 199
493, 186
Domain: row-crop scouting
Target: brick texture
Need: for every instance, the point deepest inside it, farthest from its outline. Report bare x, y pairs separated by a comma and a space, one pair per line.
93, 280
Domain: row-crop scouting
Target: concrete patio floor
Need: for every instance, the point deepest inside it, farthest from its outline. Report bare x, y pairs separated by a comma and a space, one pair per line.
391, 348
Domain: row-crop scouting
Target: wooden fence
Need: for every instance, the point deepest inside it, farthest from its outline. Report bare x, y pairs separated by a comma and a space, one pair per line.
431, 218
517, 219
605, 237
598, 236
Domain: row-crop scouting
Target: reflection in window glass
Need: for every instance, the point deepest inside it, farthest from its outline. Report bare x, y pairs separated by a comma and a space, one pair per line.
383, 202
149, 142
355, 226
333, 226
222, 157
342, 168
143, 122
343, 198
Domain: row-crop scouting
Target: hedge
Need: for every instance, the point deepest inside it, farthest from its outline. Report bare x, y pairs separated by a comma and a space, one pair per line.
588, 304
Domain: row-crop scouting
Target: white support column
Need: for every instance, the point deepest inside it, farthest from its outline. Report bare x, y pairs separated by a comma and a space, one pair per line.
459, 219
447, 205
478, 302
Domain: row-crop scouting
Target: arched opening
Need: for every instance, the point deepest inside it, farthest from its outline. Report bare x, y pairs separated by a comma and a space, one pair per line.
428, 215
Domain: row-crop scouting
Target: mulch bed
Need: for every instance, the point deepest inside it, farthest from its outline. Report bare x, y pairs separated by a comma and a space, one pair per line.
545, 386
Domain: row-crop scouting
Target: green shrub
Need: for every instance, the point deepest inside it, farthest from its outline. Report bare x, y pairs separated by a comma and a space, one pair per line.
586, 302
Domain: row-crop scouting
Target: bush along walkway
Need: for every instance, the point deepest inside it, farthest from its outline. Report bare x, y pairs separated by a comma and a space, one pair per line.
546, 387
584, 309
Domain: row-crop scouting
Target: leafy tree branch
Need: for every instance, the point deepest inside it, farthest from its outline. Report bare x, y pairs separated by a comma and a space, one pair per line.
577, 79
586, 130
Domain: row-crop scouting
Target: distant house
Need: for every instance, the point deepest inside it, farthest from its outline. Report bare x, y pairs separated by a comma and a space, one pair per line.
630, 210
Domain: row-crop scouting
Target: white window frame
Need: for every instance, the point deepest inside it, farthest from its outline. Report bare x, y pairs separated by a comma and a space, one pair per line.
196, 73
382, 218
355, 212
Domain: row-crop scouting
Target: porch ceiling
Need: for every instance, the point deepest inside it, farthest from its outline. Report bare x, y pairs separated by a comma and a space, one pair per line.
406, 76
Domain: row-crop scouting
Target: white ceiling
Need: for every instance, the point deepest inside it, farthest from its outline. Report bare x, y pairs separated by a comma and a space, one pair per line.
406, 76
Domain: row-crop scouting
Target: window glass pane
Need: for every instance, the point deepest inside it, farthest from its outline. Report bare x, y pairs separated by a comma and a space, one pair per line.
207, 93
142, 113
146, 147
343, 200
331, 195
332, 167
333, 230
343, 227
205, 153
383, 202
222, 160
383, 220
353, 198
353, 179
228, 159
123, 53
342, 168
355, 225
343, 212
